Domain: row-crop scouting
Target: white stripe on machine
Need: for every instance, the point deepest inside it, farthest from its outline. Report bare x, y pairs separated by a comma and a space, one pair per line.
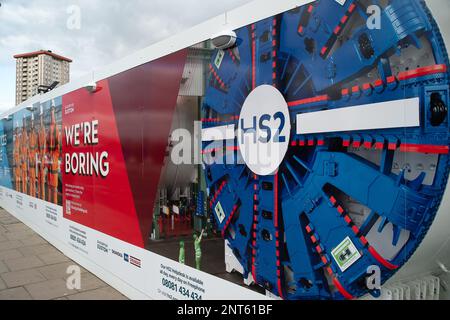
383, 115
219, 133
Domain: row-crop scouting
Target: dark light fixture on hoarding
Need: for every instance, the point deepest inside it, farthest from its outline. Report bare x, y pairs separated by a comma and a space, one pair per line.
45, 89
92, 87
224, 40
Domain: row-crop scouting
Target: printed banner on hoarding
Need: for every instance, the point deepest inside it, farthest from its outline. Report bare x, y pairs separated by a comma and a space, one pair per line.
285, 164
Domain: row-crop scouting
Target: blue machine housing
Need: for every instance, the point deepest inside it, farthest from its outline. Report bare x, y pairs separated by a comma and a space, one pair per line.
283, 228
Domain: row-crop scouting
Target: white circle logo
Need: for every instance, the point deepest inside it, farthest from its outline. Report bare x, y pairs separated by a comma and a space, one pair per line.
264, 130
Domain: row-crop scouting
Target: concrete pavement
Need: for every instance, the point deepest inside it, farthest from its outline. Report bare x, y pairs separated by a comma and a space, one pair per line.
31, 268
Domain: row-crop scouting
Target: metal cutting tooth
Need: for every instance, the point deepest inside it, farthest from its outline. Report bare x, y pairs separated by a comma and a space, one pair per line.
396, 234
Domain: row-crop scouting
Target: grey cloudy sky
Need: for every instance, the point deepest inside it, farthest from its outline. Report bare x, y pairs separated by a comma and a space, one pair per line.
110, 29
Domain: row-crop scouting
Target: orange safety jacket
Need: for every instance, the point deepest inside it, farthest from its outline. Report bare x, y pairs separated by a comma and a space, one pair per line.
42, 144
33, 150
24, 151
53, 144
17, 159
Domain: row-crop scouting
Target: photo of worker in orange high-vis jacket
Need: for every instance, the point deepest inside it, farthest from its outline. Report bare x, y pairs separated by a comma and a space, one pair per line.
24, 156
54, 152
32, 156
42, 149
17, 163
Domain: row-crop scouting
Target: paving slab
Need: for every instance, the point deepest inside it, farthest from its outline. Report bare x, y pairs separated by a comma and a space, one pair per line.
53, 257
49, 289
10, 244
24, 263
3, 267
18, 235
33, 240
8, 220
18, 293
36, 249
17, 227
90, 282
10, 254
2, 285
31, 268
21, 278
106, 293
59, 270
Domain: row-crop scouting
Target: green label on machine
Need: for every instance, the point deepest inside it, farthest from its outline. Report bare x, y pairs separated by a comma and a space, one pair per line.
219, 58
219, 212
345, 254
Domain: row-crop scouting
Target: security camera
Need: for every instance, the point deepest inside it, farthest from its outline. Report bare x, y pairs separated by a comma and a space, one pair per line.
91, 87
224, 40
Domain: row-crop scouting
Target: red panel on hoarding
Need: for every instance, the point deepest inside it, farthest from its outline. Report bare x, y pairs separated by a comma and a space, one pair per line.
102, 203
144, 100
134, 110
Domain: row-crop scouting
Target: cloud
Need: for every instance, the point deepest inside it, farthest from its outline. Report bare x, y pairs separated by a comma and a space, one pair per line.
110, 30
